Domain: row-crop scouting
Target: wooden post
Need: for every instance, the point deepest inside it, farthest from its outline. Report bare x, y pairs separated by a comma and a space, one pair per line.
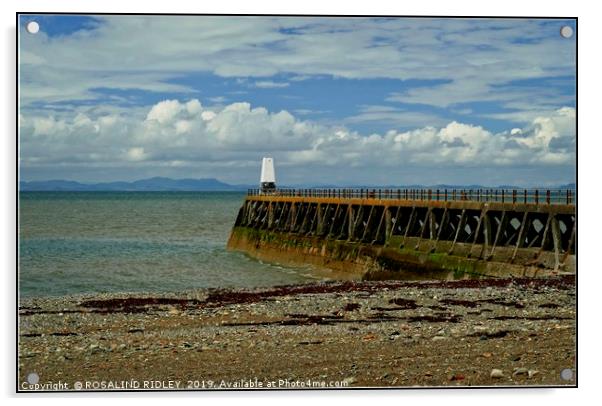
388, 225
524, 227
500, 231
556, 237
459, 229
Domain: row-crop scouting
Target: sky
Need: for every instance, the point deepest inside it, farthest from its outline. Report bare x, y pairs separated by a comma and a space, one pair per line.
335, 101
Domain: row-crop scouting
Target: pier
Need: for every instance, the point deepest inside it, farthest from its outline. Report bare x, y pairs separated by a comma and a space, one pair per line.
412, 233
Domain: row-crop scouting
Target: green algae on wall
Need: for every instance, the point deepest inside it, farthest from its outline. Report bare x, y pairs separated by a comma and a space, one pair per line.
366, 261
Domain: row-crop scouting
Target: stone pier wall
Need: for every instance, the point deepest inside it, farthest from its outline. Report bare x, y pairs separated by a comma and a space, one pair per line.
409, 239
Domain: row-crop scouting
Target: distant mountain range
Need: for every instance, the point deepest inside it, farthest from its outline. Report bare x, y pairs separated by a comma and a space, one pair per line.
159, 184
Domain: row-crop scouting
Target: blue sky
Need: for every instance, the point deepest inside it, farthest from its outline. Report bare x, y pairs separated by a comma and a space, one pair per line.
334, 100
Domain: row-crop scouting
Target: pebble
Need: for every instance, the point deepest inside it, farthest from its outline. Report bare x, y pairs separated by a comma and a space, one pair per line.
457, 377
532, 373
520, 371
110, 333
350, 380
496, 373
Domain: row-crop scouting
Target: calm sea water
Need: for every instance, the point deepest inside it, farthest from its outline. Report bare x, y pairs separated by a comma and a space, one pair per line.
88, 242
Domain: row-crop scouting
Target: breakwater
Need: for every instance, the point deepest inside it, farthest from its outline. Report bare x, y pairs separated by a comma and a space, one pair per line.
412, 233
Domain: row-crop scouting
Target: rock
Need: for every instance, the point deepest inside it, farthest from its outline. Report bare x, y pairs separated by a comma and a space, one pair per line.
532, 373
457, 377
350, 380
496, 373
136, 330
520, 371
438, 338
487, 355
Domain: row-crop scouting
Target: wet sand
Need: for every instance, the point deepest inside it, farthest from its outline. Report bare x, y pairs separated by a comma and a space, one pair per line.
340, 334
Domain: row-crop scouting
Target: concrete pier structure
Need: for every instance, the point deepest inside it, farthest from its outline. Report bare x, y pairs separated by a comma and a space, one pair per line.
412, 233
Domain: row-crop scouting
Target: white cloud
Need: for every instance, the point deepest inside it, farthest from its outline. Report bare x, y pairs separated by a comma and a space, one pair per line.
477, 59
393, 117
183, 126
165, 111
180, 134
218, 99
136, 154
194, 107
268, 84
207, 115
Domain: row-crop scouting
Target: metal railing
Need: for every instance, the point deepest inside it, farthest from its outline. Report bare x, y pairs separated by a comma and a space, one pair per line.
532, 196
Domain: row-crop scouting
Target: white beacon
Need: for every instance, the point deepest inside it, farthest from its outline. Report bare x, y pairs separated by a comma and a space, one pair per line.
268, 176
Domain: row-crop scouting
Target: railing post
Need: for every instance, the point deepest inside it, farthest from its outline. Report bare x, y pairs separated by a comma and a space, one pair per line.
536, 196
525, 194
513, 196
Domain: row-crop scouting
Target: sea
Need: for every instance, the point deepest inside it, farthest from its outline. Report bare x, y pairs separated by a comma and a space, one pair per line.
98, 242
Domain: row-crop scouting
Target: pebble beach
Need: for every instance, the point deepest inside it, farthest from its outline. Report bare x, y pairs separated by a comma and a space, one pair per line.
494, 332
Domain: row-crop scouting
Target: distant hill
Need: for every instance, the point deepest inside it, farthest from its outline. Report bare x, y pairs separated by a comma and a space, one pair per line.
159, 184
156, 184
